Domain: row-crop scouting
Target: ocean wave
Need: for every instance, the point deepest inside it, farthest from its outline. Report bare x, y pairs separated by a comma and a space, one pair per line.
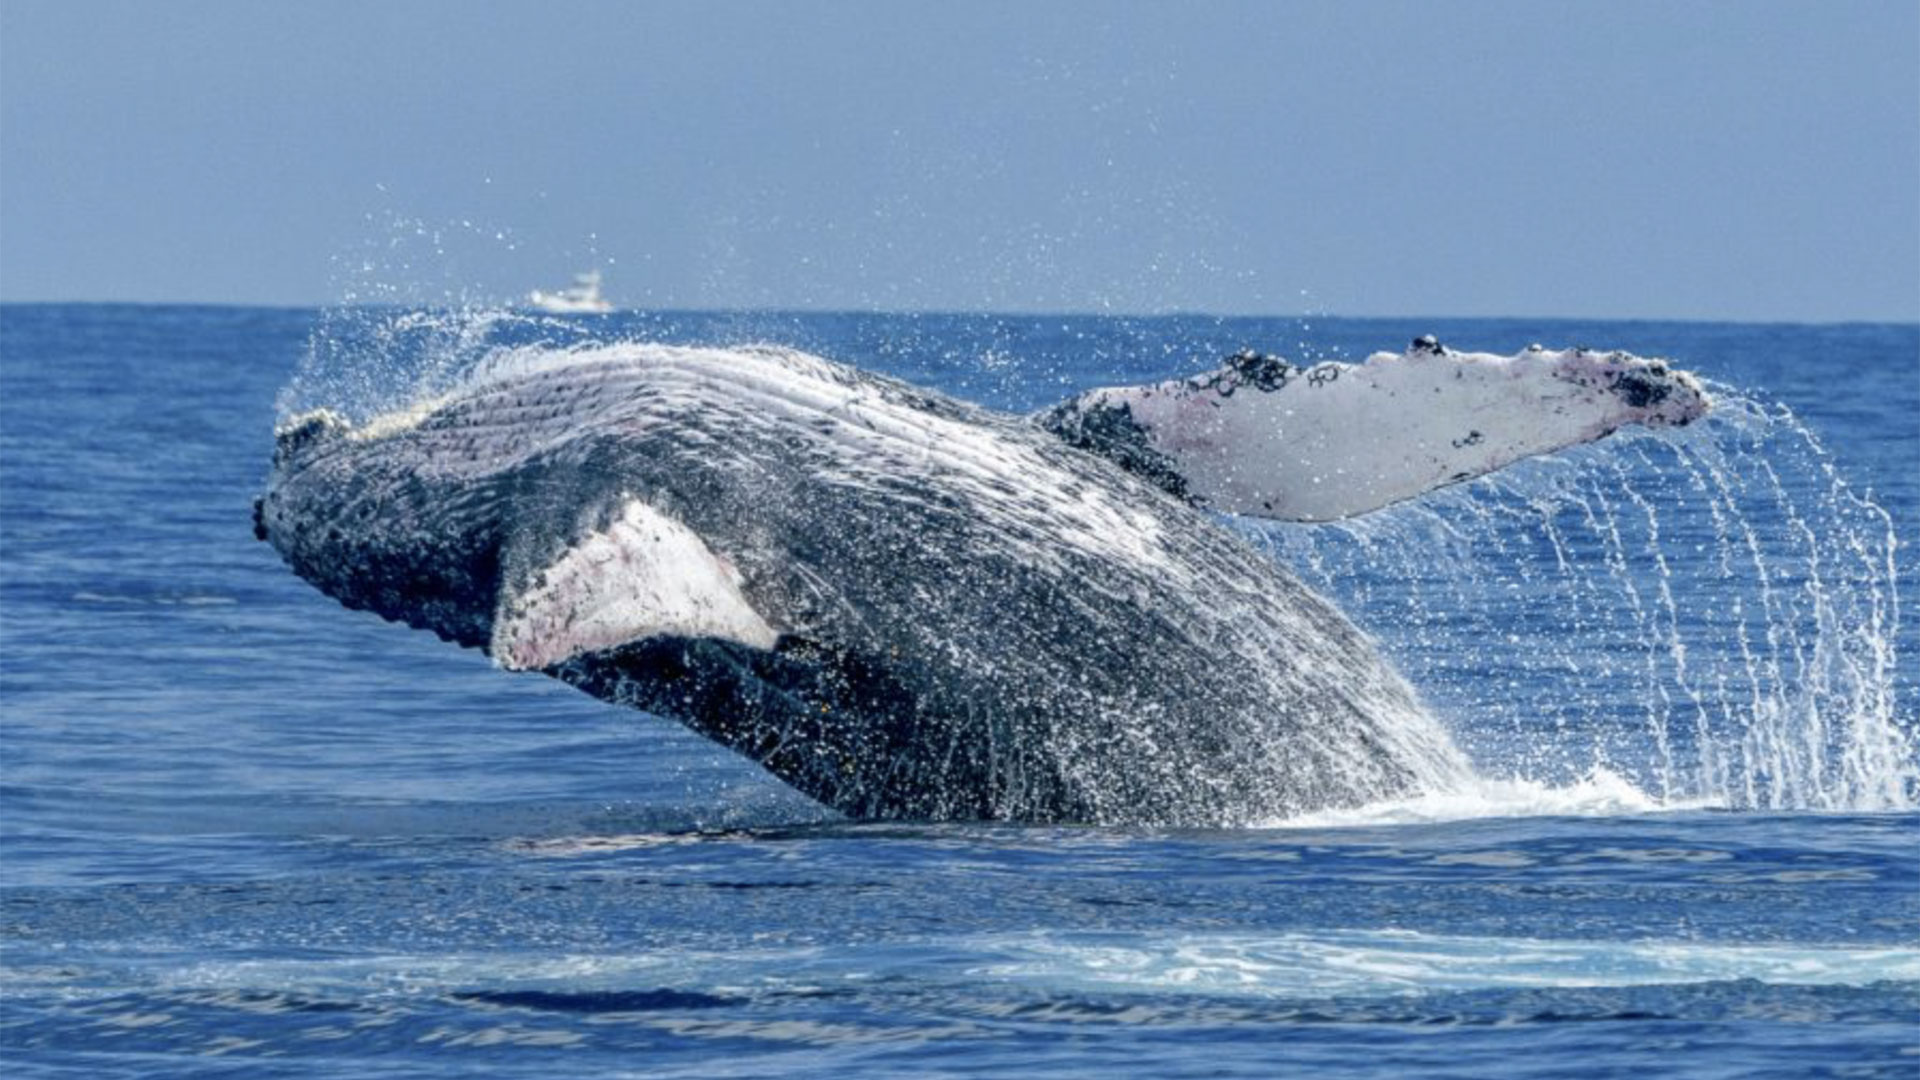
1369, 962
1319, 964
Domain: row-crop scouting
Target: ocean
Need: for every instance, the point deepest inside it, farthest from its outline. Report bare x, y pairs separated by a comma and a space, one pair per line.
246, 832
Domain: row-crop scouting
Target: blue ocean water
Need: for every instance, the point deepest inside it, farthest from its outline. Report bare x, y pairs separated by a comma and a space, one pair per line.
244, 831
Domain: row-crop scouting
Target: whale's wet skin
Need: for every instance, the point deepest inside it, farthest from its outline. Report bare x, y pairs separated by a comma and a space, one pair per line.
907, 606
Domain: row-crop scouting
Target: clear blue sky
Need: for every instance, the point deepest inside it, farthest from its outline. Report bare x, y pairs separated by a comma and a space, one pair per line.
1744, 160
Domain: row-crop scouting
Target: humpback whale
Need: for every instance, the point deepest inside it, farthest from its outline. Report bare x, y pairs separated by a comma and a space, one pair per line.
908, 606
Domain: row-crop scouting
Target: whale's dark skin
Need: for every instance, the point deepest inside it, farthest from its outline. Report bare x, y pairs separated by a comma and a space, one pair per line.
972, 619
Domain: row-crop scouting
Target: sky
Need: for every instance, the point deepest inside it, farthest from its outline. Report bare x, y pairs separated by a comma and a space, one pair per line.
1747, 160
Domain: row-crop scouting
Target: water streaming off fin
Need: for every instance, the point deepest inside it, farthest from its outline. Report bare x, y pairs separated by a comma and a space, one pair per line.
1711, 614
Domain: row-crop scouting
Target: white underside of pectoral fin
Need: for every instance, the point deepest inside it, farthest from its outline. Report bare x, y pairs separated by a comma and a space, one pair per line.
644, 575
1337, 440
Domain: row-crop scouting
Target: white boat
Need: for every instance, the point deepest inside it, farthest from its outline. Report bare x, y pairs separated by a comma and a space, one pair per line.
582, 297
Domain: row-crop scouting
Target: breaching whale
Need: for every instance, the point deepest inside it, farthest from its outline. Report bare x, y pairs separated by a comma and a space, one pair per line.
909, 606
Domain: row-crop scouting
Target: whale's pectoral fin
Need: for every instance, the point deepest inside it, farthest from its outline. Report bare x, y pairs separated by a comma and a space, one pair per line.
1268, 438
643, 575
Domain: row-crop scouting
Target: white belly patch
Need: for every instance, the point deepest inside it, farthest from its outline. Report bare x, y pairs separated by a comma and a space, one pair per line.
645, 575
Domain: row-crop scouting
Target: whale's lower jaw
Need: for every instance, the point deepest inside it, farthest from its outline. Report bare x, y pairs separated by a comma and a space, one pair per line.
871, 741
837, 728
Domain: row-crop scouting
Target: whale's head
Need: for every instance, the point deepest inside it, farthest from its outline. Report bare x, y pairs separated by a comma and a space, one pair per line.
1640, 390
293, 439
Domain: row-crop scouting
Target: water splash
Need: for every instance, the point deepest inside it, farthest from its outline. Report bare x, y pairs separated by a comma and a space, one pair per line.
410, 322
1601, 793
1712, 615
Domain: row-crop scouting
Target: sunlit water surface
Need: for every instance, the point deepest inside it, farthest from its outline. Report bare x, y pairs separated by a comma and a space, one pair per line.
246, 831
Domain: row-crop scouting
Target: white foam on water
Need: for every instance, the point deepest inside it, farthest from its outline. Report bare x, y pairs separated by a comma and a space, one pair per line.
1376, 962
1336, 962
1601, 793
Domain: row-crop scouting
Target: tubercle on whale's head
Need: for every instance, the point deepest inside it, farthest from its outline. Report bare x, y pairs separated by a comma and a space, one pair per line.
1650, 391
296, 435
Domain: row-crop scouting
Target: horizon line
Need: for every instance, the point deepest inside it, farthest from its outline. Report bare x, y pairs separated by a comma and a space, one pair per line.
1911, 322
